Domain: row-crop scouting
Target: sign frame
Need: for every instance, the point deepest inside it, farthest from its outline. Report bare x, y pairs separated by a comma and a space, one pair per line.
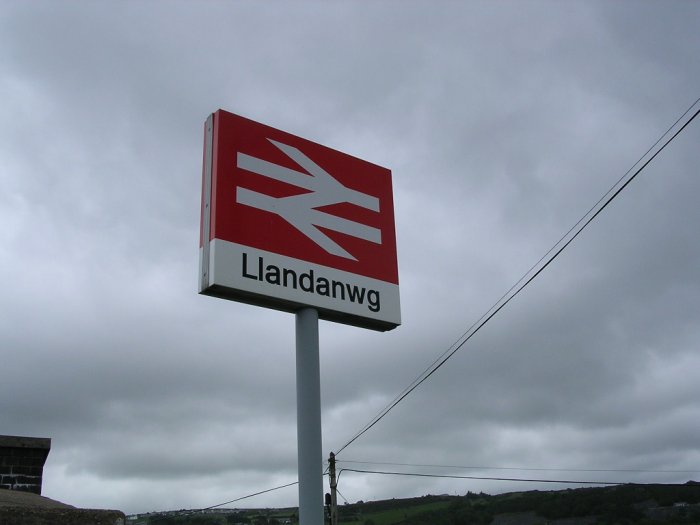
338, 249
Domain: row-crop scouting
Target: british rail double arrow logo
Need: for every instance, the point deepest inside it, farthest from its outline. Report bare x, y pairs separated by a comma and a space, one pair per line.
301, 210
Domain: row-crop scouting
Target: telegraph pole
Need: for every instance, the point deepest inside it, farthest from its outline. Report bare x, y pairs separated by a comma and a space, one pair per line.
334, 489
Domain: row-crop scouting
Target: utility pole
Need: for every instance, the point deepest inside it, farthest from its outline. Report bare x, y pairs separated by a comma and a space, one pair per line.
334, 489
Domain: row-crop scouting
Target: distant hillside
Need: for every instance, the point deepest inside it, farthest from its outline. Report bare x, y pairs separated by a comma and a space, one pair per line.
616, 505
622, 504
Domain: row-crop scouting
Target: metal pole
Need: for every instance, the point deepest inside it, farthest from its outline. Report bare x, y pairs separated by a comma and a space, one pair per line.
309, 447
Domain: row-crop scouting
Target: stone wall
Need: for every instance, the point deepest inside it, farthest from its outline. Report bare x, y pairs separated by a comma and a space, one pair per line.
25, 508
22, 462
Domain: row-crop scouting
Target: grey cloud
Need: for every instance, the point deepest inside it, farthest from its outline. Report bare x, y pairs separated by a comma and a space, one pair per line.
502, 125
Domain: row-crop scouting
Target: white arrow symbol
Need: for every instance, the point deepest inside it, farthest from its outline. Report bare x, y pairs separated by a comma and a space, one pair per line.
299, 210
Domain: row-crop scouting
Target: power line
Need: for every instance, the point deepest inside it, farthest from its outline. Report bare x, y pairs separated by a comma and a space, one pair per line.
582, 223
191, 511
521, 469
481, 478
251, 495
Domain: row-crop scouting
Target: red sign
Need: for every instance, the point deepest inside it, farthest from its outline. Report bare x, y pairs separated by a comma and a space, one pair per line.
300, 224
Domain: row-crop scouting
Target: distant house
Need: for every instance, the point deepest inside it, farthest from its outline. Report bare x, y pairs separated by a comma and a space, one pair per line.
22, 462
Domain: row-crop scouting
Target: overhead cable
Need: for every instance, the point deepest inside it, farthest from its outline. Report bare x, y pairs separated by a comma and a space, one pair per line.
521, 469
192, 511
529, 276
480, 478
251, 495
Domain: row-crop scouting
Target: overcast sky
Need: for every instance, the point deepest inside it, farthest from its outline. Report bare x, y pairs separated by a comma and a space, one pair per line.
502, 123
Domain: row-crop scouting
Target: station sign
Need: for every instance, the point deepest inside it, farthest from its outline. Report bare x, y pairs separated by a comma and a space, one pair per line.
288, 223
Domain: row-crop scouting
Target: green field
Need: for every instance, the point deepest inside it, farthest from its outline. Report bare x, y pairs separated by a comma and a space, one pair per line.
391, 516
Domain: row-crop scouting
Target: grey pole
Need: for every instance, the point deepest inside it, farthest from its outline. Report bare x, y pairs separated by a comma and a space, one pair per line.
309, 447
